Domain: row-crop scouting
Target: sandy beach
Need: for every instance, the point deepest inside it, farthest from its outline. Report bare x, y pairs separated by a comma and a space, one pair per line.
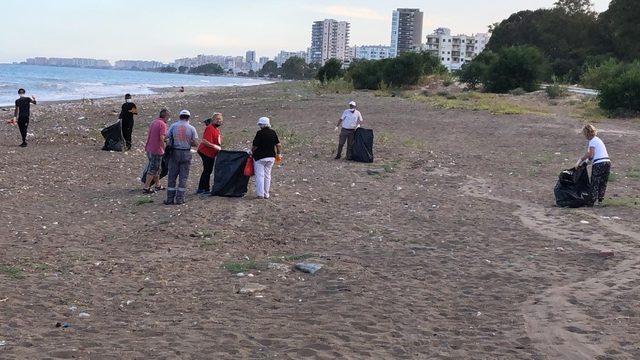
451, 248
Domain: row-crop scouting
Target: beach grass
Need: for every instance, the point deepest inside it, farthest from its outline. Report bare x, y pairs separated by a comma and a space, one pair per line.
141, 200
476, 101
632, 202
242, 266
13, 272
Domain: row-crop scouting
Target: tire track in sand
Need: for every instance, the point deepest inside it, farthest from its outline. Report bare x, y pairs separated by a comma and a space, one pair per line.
556, 325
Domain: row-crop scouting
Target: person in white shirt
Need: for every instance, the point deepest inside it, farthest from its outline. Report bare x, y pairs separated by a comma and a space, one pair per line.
599, 157
350, 120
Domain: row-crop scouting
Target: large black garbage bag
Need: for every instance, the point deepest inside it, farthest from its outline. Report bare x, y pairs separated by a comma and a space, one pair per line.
228, 174
362, 146
573, 188
113, 139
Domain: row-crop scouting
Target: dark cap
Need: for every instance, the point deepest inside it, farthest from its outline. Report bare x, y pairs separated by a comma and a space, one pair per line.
208, 121
21, 91
127, 96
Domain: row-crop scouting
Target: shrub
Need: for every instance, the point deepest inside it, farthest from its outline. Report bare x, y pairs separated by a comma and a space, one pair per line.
366, 74
517, 67
596, 76
404, 70
475, 72
331, 70
556, 91
622, 94
517, 92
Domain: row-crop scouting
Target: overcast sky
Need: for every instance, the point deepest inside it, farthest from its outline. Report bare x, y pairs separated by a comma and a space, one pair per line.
165, 30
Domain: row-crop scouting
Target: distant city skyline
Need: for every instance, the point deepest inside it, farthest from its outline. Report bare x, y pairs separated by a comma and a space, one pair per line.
160, 30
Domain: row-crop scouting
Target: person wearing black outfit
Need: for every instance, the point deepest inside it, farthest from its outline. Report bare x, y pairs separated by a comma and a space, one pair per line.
126, 115
265, 151
22, 113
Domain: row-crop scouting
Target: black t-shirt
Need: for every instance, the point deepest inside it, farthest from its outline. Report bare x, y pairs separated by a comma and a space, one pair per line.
125, 115
24, 105
265, 143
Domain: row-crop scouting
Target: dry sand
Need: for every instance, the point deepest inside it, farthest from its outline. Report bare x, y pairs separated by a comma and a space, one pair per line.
454, 252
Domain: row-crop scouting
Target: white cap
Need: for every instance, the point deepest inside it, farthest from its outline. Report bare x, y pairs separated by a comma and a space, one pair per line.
185, 112
264, 121
352, 103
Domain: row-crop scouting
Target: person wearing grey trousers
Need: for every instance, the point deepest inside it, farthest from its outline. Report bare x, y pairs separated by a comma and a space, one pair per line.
182, 136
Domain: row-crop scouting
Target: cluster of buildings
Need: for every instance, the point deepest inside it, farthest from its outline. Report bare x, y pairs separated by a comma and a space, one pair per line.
329, 40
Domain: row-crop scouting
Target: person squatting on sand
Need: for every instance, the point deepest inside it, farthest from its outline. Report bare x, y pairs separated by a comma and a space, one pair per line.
182, 136
266, 148
208, 149
22, 113
350, 120
155, 150
599, 157
126, 115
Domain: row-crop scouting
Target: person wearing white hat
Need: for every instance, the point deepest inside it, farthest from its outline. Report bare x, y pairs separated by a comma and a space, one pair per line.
266, 148
182, 136
350, 120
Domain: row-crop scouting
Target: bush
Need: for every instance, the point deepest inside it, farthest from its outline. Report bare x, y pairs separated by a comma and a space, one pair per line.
406, 69
517, 67
207, 69
596, 76
331, 70
475, 72
366, 74
556, 91
517, 92
622, 93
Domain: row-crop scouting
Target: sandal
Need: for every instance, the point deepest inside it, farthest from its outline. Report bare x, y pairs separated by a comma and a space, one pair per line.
160, 188
148, 191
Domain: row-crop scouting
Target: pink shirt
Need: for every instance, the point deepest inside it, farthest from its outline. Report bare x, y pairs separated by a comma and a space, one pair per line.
157, 129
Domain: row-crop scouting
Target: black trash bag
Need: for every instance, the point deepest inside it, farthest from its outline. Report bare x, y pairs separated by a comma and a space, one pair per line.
573, 189
164, 170
362, 146
228, 174
113, 139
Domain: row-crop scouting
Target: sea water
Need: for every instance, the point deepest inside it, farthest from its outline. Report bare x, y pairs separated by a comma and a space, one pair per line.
49, 83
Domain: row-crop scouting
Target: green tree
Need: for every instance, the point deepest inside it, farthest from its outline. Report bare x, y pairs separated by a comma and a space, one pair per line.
167, 69
207, 69
476, 71
575, 6
270, 69
620, 22
404, 70
295, 68
517, 67
182, 69
331, 70
366, 74
566, 39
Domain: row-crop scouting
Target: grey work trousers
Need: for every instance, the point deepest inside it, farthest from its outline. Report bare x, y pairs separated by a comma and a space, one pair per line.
346, 135
179, 164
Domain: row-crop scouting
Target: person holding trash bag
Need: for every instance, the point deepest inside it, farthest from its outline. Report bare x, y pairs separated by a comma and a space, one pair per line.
155, 150
208, 148
350, 120
127, 112
266, 149
182, 136
599, 157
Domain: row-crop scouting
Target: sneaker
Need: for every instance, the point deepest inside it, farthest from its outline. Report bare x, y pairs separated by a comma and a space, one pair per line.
266, 196
166, 202
337, 157
24, 144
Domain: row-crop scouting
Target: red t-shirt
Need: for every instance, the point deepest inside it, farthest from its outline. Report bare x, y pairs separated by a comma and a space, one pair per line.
157, 129
212, 135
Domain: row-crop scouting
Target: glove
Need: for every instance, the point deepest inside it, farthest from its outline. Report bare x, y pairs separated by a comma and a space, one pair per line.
335, 129
578, 163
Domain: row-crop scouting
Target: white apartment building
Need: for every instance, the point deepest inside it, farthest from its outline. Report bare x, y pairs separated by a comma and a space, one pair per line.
330, 40
455, 50
138, 64
372, 52
286, 55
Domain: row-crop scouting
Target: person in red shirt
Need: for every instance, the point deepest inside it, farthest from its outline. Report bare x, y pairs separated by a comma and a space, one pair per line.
155, 151
209, 147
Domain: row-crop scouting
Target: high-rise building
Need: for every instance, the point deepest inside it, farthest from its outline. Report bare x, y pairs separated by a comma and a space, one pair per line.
263, 60
406, 30
286, 55
457, 50
329, 39
251, 56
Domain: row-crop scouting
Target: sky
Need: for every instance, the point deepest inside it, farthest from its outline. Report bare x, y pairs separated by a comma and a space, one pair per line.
167, 29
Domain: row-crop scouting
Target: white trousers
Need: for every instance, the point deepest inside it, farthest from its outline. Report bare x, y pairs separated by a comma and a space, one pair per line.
262, 169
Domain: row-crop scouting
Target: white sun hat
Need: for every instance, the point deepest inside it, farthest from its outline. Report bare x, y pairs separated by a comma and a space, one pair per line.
264, 121
352, 103
185, 112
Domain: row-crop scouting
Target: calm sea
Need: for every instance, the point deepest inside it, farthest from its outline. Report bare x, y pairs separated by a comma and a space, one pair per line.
49, 83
